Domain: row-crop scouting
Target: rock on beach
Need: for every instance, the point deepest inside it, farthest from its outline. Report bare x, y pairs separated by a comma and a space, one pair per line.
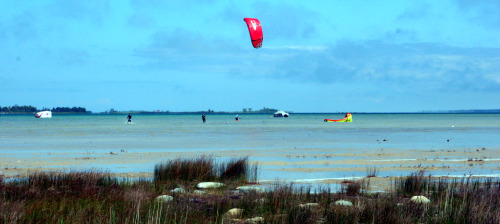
164, 198
343, 203
420, 199
257, 219
248, 189
198, 192
178, 190
234, 212
309, 205
209, 185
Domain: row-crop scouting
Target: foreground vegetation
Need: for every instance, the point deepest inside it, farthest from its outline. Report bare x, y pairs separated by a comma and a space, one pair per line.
98, 197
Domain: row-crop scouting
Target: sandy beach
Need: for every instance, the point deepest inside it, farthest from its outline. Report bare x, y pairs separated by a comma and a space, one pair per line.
301, 162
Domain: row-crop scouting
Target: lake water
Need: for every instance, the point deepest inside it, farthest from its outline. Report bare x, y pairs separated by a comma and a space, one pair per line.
261, 137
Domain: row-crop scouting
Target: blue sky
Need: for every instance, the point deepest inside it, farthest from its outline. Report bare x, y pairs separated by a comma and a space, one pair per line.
317, 56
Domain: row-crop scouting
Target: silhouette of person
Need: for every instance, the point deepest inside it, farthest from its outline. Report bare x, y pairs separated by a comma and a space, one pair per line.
129, 117
203, 118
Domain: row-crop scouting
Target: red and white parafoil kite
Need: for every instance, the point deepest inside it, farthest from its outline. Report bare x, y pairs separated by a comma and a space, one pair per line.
255, 30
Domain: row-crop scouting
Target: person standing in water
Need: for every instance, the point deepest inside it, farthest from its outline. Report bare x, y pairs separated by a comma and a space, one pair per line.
237, 117
129, 117
203, 118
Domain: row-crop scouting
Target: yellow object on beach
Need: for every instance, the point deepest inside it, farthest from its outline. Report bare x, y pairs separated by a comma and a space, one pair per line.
347, 118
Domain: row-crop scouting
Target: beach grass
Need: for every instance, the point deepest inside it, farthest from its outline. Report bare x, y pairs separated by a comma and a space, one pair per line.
198, 169
99, 197
355, 187
206, 168
371, 171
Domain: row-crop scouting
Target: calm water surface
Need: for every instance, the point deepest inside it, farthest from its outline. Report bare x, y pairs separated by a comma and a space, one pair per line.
163, 132
20, 135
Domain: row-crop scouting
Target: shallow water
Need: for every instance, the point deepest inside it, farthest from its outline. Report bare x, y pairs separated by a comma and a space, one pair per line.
261, 137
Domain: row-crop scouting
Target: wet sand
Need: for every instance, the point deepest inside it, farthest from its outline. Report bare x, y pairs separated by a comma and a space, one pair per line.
301, 162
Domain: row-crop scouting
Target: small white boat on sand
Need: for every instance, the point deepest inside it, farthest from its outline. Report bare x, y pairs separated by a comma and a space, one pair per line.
281, 113
44, 114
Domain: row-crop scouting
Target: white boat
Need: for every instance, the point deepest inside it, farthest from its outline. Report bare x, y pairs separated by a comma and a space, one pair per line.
281, 113
44, 114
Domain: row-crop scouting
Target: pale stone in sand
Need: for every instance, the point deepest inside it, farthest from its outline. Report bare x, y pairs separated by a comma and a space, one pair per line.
248, 189
234, 212
309, 205
208, 185
257, 219
343, 203
178, 190
198, 192
164, 198
420, 199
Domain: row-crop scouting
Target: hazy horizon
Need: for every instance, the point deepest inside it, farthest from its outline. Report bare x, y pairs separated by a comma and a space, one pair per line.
479, 111
382, 56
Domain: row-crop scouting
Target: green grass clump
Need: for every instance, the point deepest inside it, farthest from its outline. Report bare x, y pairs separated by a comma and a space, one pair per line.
415, 183
371, 171
205, 168
198, 169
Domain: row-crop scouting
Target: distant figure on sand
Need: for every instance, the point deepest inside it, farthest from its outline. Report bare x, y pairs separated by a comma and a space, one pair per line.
203, 118
129, 117
237, 117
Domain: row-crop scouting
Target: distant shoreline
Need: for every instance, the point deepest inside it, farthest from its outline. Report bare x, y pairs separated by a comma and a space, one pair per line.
493, 111
29, 109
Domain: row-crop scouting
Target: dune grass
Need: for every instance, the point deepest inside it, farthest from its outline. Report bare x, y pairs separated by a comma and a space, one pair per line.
205, 168
98, 197
371, 171
198, 169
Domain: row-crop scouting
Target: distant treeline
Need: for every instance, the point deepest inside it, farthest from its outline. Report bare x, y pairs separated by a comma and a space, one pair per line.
18, 109
478, 111
69, 110
32, 109
264, 110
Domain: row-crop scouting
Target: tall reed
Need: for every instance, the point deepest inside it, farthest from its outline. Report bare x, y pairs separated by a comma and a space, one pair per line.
198, 169
205, 168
